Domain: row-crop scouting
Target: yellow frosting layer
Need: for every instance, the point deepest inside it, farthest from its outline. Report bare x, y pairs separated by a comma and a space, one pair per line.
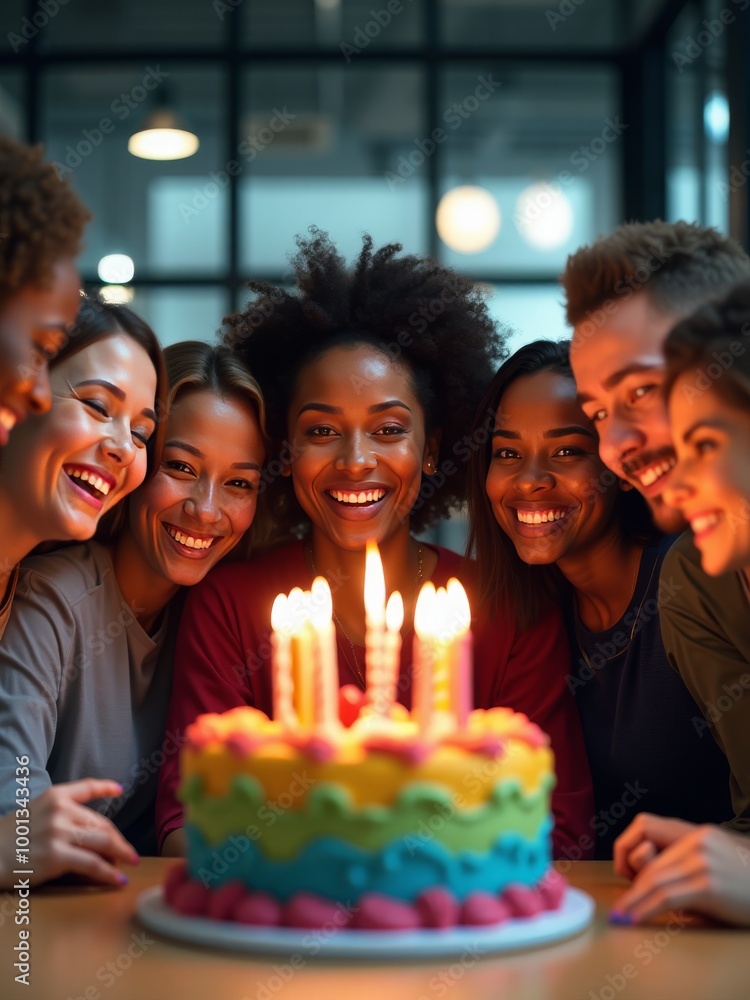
375, 779
372, 777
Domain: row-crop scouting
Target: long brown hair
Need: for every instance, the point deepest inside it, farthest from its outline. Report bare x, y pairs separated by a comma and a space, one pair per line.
503, 577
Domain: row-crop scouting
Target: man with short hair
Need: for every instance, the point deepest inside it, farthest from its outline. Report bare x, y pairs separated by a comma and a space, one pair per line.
624, 293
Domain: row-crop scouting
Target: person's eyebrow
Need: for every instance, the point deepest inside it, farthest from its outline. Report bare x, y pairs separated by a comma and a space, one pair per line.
319, 408
613, 380
715, 425
389, 404
184, 446
191, 449
555, 432
116, 391
558, 432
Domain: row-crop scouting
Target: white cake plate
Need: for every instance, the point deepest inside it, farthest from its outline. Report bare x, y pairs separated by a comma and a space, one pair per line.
571, 918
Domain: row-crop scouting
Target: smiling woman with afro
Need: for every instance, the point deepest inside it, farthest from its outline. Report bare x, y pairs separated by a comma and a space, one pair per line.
417, 312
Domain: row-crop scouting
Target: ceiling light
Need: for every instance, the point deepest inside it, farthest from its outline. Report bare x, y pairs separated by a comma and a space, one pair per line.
468, 219
162, 137
544, 216
116, 269
116, 295
716, 116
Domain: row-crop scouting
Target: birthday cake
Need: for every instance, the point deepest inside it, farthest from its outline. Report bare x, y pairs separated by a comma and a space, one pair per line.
348, 810
372, 828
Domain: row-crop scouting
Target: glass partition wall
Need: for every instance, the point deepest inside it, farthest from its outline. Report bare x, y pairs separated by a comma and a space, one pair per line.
496, 135
344, 114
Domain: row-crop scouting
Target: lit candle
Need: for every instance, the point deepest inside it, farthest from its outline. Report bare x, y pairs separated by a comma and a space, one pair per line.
325, 656
394, 618
374, 624
303, 670
443, 647
281, 664
462, 696
422, 695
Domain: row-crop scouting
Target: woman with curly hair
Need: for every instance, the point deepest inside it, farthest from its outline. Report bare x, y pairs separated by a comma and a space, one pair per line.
41, 224
371, 377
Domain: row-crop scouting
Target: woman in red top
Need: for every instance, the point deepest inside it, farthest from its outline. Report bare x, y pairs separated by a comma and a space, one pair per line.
371, 378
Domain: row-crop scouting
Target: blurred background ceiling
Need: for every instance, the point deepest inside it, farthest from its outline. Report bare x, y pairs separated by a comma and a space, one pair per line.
360, 115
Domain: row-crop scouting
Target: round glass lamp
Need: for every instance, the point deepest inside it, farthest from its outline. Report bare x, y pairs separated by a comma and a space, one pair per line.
468, 219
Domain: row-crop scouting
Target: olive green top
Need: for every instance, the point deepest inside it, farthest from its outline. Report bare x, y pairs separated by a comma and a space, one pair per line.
705, 623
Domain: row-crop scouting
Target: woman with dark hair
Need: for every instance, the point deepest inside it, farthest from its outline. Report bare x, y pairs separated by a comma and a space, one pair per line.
371, 376
41, 222
86, 661
550, 525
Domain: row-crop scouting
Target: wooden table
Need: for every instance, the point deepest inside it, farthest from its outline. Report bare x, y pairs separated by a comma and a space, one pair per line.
85, 943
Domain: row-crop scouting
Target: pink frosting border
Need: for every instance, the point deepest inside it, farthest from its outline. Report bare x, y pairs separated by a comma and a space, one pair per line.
436, 909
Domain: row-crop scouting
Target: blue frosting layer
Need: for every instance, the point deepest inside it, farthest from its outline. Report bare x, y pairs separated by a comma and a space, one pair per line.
404, 869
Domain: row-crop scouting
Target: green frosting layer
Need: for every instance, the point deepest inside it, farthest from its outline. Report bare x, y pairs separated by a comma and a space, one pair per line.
423, 811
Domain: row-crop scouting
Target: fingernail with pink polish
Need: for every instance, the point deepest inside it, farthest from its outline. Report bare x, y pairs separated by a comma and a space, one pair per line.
121, 878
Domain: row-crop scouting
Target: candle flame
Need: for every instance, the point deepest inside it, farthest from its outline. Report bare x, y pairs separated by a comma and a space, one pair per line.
297, 610
442, 626
321, 602
279, 614
394, 612
459, 606
423, 618
374, 585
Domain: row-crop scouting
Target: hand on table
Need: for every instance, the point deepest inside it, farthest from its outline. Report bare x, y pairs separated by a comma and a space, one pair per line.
67, 837
678, 864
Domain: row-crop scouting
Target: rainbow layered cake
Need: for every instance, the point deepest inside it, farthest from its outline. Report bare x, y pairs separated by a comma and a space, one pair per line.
374, 825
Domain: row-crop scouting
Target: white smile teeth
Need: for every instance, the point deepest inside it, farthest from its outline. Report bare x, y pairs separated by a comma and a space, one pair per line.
92, 479
703, 522
364, 496
188, 540
654, 472
539, 516
7, 419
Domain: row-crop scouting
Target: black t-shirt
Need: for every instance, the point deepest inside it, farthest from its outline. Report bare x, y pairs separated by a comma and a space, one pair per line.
647, 745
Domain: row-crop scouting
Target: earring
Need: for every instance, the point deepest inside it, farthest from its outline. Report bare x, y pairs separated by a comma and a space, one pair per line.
430, 467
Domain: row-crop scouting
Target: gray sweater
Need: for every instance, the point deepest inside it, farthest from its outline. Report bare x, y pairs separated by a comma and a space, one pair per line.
84, 690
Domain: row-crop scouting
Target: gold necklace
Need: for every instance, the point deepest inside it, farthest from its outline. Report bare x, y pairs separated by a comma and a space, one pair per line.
354, 663
626, 647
